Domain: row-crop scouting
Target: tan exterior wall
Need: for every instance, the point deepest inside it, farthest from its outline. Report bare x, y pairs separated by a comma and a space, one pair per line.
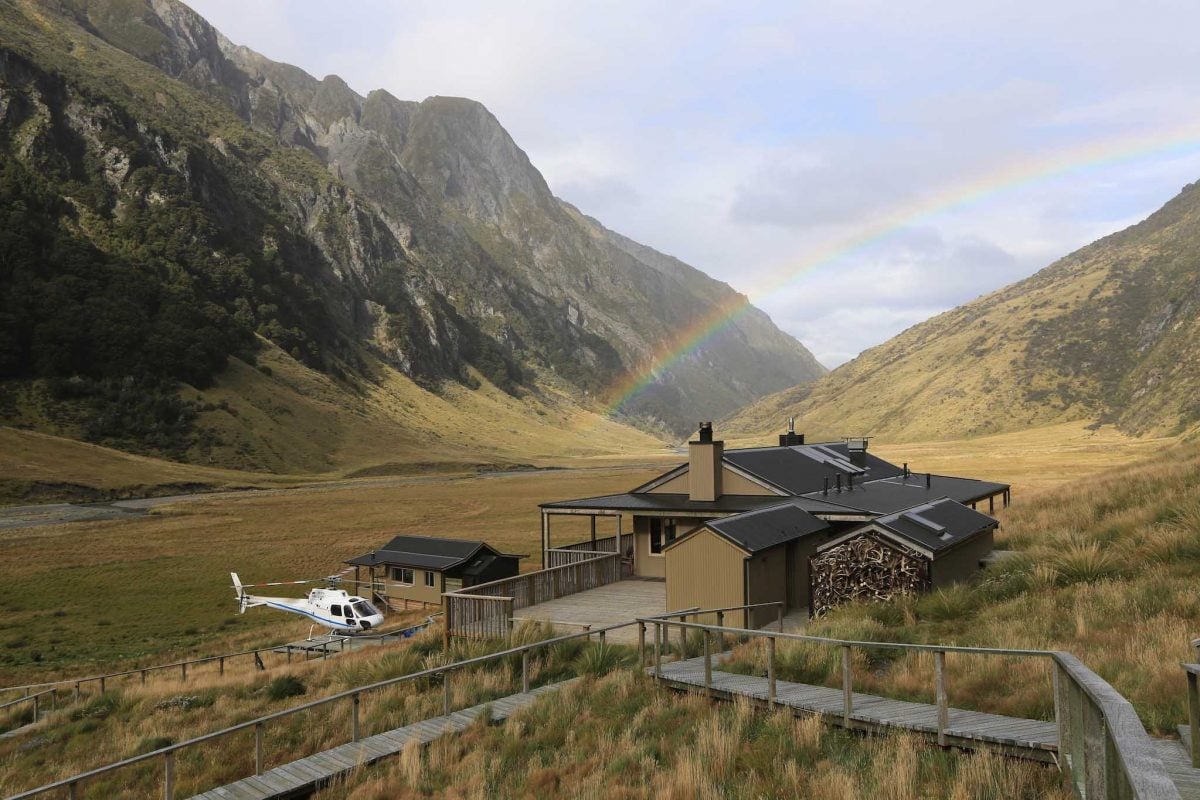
767, 573
645, 564
962, 562
704, 470
731, 483
418, 592
736, 484
677, 485
705, 570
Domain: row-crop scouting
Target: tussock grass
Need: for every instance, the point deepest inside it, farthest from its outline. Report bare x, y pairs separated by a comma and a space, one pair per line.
1108, 569
623, 737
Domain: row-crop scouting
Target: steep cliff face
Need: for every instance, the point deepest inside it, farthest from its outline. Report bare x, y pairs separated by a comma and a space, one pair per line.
341, 226
1110, 333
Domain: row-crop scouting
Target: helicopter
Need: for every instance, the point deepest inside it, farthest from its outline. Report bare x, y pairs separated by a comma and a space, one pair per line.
335, 609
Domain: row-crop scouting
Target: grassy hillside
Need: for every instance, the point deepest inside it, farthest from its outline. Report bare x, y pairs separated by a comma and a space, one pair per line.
1109, 333
284, 416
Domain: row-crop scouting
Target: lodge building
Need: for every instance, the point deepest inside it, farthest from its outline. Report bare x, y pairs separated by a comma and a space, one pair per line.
811, 525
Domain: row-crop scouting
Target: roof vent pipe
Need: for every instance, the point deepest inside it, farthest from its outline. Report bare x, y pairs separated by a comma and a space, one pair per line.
850, 482
826, 489
928, 480
905, 469
839, 483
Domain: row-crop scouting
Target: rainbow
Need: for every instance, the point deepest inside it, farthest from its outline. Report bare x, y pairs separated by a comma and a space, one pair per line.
1008, 177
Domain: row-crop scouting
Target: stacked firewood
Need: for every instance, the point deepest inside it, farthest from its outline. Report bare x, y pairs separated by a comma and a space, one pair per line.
865, 568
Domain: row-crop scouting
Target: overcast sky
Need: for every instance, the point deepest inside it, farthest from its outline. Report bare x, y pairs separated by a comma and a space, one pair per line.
753, 139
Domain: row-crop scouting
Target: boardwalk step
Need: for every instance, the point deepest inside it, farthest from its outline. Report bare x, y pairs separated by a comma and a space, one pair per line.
305, 774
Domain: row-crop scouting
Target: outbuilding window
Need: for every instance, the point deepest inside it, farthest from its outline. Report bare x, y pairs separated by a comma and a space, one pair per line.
429, 579
402, 575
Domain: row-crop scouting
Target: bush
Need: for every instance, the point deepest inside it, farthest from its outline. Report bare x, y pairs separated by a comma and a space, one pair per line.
1084, 563
601, 659
149, 745
285, 686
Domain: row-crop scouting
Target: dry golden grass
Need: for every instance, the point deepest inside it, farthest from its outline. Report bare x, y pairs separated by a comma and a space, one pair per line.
624, 737
101, 595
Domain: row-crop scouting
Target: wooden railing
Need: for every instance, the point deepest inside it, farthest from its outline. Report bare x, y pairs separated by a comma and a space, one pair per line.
1103, 748
560, 558
486, 610
604, 544
351, 698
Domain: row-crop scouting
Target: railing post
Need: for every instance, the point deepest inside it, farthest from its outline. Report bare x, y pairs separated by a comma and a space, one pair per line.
183, 674
102, 686
143, 677
943, 710
658, 631
354, 717
602, 635
36, 703
721, 624
525, 671
847, 688
1194, 717
707, 663
258, 748
779, 616
72, 791
641, 644
446, 693
221, 665
1094, 751
771, 670
76, 691
169, 775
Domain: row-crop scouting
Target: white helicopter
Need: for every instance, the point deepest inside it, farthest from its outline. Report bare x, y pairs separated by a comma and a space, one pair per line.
333, 608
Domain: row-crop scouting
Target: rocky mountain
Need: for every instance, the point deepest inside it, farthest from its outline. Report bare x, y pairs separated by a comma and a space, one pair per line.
1110, 333
175, 201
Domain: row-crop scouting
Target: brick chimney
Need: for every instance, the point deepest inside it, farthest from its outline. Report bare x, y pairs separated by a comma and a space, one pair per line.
704, 465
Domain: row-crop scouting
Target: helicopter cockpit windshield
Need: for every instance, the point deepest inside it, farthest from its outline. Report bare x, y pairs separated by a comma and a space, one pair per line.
364, 609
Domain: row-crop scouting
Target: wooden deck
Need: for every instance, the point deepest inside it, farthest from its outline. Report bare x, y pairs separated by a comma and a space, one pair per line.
606, 605
1026, 738
305, 775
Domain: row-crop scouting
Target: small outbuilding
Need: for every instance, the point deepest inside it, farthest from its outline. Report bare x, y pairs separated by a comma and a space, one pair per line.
931, 545
414, 571
756, 557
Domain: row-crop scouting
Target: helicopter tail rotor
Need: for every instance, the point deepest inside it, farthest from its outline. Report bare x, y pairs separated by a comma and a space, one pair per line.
241, 593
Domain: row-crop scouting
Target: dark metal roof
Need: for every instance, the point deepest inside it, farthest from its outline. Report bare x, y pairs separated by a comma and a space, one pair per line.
759, 530
804, 468
629, 501
425, 552
896, 493
938, 525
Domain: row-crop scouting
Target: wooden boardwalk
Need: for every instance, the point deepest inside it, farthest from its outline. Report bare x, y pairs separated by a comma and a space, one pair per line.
305, 775
611, 604
967, 729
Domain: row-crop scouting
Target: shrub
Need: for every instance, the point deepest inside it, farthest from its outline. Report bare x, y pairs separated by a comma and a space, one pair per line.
1084, 563
285, 686
150, 744
602, 659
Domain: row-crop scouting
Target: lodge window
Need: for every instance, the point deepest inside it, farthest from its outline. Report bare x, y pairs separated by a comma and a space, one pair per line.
662, 533
429, 579
402, 575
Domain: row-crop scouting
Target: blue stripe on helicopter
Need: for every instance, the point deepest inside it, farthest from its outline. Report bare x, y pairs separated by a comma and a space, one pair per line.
294, 610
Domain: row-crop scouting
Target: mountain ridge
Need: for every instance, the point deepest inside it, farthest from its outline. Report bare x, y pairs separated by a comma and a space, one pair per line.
345, 229
1109, 333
